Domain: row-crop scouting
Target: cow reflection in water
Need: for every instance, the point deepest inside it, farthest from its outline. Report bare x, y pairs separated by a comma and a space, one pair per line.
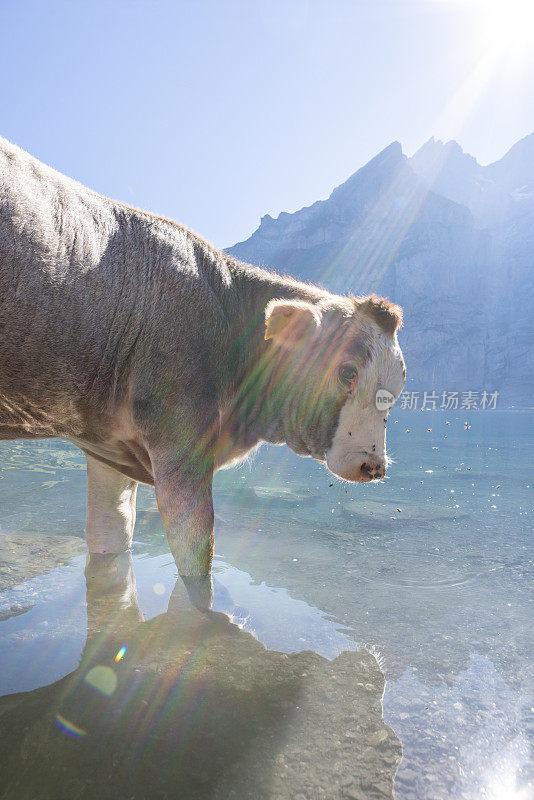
188, 705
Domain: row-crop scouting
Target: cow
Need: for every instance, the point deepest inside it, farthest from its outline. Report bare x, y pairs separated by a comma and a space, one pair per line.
165, 359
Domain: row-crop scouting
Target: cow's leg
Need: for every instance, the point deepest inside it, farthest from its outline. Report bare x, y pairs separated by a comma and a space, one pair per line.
110, 508
186, 508
180, 430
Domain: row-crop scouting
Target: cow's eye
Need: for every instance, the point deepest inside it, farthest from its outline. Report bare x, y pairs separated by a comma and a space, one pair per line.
348, 377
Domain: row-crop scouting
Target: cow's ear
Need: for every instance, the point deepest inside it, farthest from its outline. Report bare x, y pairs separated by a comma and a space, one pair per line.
288, 321
386, 314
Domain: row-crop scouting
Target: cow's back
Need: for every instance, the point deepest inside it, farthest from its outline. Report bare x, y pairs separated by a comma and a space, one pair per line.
53, 235
51, 227
84, 281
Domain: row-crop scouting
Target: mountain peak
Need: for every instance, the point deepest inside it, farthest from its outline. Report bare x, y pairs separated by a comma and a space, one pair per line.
392, 150
435, 152
392, 154
486, 191
383, 166
523, 147
516, 168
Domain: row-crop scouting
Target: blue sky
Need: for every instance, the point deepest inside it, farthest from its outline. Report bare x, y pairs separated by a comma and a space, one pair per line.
217, 112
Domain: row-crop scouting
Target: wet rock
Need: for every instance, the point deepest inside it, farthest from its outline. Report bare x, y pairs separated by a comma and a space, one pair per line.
23, 556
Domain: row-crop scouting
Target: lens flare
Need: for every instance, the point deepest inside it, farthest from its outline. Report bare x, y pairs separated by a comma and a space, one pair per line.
121, 653
69, 727
103, 679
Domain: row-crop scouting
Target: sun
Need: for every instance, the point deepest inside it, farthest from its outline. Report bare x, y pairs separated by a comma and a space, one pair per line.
510, 23
498, 37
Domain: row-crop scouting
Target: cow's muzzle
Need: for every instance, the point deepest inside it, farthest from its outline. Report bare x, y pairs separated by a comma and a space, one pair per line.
371, 469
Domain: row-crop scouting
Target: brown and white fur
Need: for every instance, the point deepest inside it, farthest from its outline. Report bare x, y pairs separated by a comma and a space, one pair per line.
165, 359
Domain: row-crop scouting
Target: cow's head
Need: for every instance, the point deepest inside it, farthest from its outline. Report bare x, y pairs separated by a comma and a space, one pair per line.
340, 369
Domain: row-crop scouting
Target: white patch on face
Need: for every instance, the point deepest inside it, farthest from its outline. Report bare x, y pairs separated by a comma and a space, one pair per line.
360, 437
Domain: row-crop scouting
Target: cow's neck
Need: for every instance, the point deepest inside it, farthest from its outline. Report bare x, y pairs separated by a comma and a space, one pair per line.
253, 371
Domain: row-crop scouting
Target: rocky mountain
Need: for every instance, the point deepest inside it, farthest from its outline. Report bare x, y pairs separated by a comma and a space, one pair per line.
450, 240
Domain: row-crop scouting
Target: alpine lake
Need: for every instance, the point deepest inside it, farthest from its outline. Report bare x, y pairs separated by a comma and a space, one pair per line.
366, 641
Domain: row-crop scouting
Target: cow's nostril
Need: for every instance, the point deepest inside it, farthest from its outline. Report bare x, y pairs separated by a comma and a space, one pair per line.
373, 471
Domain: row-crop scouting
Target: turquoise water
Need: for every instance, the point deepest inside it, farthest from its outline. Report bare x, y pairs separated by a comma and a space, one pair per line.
427, 572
